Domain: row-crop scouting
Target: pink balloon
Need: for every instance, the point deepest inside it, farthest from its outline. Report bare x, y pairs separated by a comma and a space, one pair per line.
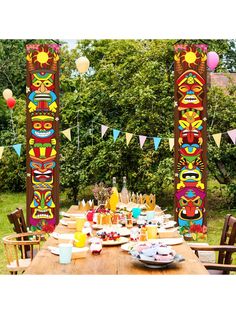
212, 60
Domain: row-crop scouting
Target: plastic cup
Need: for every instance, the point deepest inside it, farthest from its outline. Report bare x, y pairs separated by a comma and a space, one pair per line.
151, 231
136, 211
80, 239
150, 215
80, 223
65, 253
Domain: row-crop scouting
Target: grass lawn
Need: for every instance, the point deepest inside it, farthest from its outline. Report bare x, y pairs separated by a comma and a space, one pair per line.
9, 201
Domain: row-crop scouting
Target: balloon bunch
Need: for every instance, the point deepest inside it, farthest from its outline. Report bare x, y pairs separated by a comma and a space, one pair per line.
7, 94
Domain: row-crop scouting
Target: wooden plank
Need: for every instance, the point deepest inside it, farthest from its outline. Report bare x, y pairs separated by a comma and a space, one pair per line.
112, 261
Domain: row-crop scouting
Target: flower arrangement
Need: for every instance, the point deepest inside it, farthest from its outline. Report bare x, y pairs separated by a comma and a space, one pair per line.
193, 232
101, 192
43, 226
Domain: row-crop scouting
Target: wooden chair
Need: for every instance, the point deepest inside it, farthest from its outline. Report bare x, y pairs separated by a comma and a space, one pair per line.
225, 249
18, 220
15, 244
19, 225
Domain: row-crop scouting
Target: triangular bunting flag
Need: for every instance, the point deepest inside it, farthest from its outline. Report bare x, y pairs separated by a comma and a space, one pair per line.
156, 142
171, 143
115, 134
232, 135
128, 137
1, 151
17, 148
217, 138
103, 129
67, 133
142, 140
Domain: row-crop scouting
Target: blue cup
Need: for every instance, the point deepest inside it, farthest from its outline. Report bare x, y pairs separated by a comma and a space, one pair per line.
150, 215
65, 253
136, 212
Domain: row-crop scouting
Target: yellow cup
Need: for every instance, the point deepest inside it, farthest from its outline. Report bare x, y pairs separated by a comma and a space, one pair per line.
152, 231
80, 223
80, 239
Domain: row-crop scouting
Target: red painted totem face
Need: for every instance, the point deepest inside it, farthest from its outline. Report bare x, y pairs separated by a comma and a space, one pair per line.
190, 89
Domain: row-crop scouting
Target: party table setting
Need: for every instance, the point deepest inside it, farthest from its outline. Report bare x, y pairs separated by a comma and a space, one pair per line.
132, 239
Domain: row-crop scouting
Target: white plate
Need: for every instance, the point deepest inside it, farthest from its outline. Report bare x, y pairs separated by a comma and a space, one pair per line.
73, 215
124, 232
98, 227
128, 246
63, 236
119, 241
169, 224
67, 222
157, 264
55, 249
168, 241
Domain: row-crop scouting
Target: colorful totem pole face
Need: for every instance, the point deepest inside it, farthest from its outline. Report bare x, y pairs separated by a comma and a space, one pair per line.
190, 80
42, 144
42, 170
190, 127
42, 205
190, 90
190, 204
42, 97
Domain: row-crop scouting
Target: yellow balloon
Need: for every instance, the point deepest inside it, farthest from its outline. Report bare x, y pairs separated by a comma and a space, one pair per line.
82, 64
7, 93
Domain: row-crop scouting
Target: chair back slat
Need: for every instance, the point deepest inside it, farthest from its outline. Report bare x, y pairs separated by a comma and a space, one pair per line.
228, 237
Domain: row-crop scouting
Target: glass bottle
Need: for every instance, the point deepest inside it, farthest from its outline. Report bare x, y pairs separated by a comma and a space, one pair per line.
114, 199
124, 195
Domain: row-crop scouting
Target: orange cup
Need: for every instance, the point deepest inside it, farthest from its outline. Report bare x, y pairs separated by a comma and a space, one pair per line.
80, 223
151, 231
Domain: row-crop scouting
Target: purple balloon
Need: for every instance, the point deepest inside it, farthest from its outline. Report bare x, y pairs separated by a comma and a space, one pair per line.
212, 60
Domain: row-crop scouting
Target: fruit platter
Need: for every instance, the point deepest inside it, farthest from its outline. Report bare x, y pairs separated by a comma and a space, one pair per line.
155, 255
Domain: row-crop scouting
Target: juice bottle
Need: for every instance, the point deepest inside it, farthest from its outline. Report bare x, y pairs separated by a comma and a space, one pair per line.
114, 199
124, 195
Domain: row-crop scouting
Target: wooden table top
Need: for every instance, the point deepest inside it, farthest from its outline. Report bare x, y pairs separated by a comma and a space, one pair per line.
111, 261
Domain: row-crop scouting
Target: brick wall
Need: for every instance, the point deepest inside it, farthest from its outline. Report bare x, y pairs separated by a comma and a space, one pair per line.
221, 79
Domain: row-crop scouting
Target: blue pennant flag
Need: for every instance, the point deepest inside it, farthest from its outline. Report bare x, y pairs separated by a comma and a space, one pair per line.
17, 148
156, 142
115, 134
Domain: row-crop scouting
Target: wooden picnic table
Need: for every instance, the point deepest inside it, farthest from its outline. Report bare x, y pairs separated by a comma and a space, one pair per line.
111, 261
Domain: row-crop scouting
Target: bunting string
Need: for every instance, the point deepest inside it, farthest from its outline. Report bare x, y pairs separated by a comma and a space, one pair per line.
128, 136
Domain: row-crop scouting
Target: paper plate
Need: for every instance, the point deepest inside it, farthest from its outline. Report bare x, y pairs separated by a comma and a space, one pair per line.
55, 249
63, 236
168, 241
72, 215
169, 224
67, 222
